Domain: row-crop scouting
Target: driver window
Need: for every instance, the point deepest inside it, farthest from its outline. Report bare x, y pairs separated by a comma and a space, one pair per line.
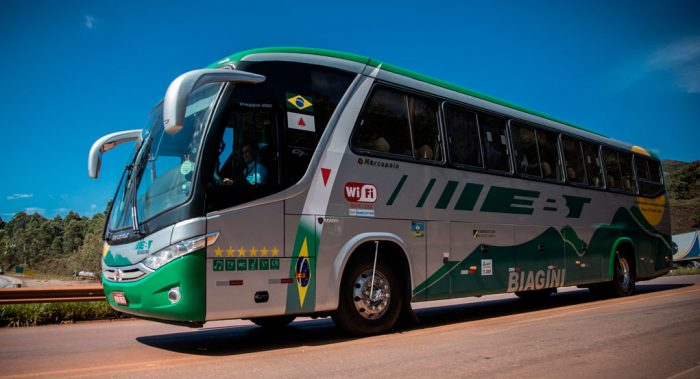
246, 166
247, 151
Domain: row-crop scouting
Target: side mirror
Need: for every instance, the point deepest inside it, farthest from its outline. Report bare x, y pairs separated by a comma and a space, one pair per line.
107, 143
180, 89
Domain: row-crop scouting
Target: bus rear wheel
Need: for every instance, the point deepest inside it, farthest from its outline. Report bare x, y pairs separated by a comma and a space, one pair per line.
273, 322
623, 280
623, 277
370, 300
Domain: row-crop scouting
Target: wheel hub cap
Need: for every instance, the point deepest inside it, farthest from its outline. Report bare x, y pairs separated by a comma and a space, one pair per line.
624, 274
374, 307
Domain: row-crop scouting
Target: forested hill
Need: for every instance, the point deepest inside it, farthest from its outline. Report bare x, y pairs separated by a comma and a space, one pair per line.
56, 246
683, 183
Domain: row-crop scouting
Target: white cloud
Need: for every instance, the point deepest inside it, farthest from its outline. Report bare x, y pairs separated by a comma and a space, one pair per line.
20, 196
90, 21
32, 210
61, 210
682, 58
93, 206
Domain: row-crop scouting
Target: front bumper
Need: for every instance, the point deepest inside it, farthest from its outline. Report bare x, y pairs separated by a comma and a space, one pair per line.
148, 297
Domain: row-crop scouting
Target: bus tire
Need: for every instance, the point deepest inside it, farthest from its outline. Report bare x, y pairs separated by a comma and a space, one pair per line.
623, 279
536, 296
359, 315
273, 322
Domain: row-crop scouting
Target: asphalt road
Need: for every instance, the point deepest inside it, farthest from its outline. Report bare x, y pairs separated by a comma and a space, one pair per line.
654, 334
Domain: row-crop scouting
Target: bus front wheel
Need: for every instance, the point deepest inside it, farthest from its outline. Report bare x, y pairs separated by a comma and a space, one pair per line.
370, 299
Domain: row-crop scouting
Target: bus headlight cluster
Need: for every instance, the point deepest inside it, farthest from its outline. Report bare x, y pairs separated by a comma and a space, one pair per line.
159, 259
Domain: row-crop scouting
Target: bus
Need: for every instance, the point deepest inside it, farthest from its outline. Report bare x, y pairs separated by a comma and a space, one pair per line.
285, 182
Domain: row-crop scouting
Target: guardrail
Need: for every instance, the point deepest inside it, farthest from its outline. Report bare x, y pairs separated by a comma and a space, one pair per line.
50, 295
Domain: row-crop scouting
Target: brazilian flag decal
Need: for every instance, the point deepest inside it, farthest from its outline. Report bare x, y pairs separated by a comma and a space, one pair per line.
299, 102
301, 294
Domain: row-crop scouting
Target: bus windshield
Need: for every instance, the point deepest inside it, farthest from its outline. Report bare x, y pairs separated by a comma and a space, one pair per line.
164, 167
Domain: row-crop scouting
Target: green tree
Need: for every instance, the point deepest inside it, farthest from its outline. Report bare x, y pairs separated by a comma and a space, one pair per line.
682, 180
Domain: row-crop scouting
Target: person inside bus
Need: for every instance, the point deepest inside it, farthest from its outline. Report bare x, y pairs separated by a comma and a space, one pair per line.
254, 172
425, 152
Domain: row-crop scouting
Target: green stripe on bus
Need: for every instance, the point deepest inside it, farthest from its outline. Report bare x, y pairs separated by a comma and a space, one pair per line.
397, 190
509, 200
469, 196
446, 196
426, 193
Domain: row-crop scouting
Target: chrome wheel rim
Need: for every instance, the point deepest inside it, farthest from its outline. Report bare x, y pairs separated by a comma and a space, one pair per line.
374, 307
624, 274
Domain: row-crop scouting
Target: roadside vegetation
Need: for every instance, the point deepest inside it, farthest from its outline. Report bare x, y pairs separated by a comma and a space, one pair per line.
684, 271
54, 247
54, 313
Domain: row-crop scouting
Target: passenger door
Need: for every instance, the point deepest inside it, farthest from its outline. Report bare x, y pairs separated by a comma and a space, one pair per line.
246, 256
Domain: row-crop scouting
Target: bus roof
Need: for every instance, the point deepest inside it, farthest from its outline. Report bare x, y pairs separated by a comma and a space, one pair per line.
401, 71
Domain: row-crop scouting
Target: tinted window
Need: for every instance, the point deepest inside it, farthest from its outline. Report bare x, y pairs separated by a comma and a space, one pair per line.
593, 166
575, 171
525, 150
493, 136
549, 154
613, 177
302, 98
649, 174
464, 136
628, 182
384, 124
426, 135
268, 132
398, 123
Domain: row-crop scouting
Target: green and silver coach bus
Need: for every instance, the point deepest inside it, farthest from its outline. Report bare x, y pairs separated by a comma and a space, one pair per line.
281, 182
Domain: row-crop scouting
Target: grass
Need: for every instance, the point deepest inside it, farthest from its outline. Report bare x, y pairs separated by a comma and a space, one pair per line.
684, 271
54, 313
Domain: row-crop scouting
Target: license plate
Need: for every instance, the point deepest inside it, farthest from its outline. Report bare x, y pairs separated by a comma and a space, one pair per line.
119, 298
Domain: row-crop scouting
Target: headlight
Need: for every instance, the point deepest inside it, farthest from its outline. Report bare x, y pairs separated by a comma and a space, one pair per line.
157, 260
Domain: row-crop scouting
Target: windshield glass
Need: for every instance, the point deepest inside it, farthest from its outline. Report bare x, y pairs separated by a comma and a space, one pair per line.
120, 213
164, 167
168, 162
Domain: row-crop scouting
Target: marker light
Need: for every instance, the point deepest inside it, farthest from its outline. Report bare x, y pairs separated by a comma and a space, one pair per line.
157, 260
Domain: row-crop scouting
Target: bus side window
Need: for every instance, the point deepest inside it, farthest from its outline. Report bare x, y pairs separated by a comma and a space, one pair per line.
551, 164
493, 135
525, 150
649, 175
424, 124
463, 132
594, 170
613, 178
575, 173
628, 182
383, 126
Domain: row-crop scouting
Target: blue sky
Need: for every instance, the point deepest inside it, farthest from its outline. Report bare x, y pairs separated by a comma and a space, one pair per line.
72, 71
